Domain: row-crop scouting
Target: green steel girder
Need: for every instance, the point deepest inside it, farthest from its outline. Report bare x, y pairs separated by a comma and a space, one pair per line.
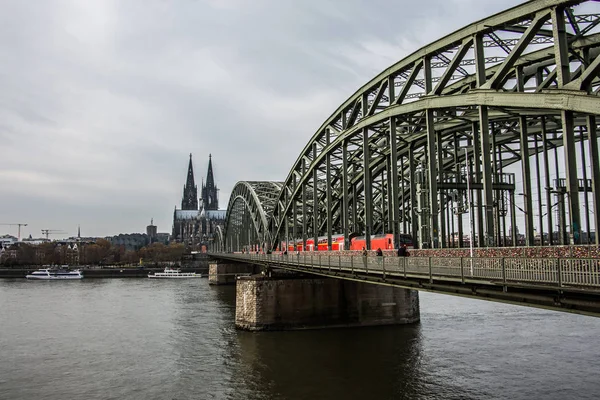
524, 103
509, 73
258, 199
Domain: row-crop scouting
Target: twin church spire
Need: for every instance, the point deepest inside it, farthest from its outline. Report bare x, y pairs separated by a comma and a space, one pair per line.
210, 191
209, 197
190, 190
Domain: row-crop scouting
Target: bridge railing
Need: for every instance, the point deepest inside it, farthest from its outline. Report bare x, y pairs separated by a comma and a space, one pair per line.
574, 272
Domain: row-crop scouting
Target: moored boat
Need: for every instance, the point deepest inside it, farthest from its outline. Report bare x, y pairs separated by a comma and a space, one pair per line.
55, 274
174, 273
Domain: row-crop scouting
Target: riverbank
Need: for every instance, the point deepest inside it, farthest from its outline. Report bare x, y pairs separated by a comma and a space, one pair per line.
106, 272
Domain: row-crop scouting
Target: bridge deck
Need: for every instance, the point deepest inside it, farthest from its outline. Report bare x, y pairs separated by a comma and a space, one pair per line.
571, 285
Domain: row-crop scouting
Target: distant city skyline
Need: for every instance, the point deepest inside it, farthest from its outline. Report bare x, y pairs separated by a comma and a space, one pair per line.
103, 101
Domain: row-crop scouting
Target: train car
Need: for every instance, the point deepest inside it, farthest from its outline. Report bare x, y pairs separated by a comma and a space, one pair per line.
290, 246
298, 245
337, 243
381, 241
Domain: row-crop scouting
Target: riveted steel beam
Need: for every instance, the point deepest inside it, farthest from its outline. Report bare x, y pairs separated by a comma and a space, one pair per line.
357, 171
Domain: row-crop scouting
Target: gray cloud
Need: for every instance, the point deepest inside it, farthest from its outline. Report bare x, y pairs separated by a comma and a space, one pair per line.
103, 100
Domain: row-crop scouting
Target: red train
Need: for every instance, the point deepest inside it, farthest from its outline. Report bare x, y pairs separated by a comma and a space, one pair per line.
381, 241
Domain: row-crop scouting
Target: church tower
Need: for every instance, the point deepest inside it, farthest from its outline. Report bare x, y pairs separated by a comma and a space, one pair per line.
210, 198
190, 190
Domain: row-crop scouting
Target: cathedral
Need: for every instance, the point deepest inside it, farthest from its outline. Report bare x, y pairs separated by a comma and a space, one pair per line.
197, 220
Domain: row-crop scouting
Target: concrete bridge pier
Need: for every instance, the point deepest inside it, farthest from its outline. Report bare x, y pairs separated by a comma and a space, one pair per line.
276, 303
220, 273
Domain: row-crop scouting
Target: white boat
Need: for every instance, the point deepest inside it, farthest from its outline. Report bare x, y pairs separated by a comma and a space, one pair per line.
174, 273
55, 274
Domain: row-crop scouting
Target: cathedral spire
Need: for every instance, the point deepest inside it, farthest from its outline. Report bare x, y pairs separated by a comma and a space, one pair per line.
190, 175
190, 190
210, 181
209, 191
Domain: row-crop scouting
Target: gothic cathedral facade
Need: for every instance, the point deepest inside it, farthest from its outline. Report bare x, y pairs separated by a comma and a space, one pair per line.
198, 219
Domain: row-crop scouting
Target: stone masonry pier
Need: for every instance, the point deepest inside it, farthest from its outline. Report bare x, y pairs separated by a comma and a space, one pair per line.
265, 303
220, 273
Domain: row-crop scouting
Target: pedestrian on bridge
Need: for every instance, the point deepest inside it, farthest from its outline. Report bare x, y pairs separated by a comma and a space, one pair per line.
402, 252
379, 254
364, 256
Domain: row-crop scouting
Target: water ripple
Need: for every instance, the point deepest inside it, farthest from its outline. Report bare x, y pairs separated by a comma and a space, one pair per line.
143, 339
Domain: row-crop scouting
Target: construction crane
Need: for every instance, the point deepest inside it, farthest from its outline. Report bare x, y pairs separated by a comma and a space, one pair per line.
17, 224
51, 232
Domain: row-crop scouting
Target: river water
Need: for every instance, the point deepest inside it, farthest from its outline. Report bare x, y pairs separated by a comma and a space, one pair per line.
146, 339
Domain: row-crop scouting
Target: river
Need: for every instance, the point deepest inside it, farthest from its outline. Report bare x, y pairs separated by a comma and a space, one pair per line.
146, 339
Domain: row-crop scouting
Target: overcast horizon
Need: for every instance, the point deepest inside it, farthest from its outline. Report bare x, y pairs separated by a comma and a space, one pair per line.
103, 101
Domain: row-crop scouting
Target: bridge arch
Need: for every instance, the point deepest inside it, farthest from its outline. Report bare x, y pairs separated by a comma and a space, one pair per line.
250, 206
463, 126
218, 240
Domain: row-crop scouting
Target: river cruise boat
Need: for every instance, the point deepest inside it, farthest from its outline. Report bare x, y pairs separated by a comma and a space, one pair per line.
55, 274
174, 273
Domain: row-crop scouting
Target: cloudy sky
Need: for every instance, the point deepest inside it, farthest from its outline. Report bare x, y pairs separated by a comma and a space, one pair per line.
101, 101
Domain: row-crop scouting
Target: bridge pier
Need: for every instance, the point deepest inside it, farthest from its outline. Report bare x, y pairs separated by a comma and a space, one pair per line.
220, 273
265, 303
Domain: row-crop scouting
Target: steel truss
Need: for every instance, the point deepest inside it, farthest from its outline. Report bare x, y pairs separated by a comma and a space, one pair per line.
250, 207
509, 99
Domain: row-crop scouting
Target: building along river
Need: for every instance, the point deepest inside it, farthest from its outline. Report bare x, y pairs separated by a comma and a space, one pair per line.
145, 339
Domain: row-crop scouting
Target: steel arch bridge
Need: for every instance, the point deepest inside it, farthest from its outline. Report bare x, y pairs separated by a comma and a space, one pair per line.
501, 112
249, 210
